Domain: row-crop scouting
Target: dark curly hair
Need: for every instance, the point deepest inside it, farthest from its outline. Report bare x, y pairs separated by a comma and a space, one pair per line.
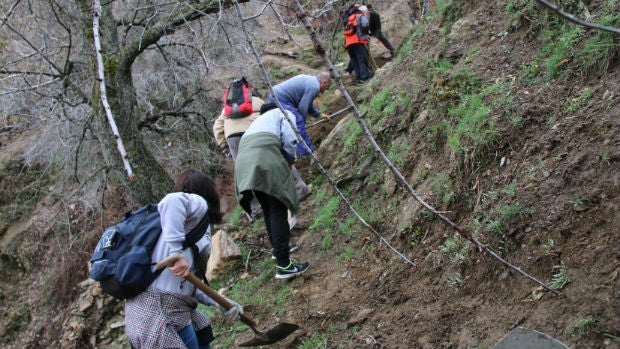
195, 182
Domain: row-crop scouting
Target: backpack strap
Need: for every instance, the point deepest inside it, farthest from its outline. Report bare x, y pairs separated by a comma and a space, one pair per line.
198, 232
190, 241
200, 270
265, 107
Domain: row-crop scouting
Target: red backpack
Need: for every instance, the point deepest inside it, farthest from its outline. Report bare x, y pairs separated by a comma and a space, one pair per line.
238, 99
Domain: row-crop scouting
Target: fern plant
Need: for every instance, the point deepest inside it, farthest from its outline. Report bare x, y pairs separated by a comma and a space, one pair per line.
559, 279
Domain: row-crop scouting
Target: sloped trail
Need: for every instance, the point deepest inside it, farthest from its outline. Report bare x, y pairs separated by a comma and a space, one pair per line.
356, 113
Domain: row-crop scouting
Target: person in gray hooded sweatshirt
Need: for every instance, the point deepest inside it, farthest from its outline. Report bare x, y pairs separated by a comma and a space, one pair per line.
165, 314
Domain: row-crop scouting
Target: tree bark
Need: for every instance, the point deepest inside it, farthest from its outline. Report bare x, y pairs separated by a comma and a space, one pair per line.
151, 180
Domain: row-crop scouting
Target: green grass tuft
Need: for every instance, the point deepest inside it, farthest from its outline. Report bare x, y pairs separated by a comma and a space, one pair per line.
326, 215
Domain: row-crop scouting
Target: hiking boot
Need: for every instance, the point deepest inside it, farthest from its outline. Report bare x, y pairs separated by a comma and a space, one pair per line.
292, 270
291, 247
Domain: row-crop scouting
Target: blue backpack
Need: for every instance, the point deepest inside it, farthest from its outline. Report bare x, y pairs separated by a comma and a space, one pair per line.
122, 259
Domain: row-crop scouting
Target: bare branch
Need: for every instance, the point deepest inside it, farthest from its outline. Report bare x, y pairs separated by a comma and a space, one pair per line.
462, 231
268, 3
152, 35
301, 140
555, 8
79, 146
27, 72
281, 20
30, 87
69, 46
152, 119
34, 48
9, 12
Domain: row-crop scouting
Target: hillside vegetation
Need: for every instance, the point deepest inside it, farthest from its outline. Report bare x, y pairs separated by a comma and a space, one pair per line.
502, 116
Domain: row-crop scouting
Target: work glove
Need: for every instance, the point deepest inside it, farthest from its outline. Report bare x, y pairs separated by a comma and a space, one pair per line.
226, 151
324, 116
233, 313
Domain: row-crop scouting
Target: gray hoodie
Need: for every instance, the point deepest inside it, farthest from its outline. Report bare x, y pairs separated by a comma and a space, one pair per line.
180, 212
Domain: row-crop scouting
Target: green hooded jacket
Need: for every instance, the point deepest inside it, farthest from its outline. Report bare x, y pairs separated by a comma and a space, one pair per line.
261, 166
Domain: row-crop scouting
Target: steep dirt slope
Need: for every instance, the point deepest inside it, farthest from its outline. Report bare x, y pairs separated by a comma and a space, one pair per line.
555, 162
556, 166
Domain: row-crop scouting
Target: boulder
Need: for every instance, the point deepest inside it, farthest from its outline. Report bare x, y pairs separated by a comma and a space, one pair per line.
462, 32
225, 255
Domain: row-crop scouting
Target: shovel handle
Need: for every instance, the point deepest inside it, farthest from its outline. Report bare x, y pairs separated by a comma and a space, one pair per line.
218, 298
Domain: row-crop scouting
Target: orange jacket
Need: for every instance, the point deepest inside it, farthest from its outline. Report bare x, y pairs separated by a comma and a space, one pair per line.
352, 32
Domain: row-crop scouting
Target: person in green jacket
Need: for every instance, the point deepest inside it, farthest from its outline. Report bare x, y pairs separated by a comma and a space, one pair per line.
266, 151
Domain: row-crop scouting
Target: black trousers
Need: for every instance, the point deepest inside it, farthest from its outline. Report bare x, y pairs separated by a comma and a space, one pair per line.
379, 35
276, 222
358, 54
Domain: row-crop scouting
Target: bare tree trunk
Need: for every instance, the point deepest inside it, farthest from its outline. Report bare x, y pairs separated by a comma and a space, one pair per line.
151, 181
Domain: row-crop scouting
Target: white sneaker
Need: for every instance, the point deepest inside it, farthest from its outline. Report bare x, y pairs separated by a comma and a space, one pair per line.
250, 219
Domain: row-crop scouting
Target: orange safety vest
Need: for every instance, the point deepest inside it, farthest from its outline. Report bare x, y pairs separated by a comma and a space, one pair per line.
350, 30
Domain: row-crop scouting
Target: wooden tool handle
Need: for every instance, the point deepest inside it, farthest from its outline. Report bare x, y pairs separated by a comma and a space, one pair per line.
218, 298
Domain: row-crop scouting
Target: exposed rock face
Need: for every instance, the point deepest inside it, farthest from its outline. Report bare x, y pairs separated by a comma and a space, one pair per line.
461, 34
94, 318
225, 255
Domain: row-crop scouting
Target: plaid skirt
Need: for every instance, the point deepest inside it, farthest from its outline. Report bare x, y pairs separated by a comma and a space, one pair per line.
153, 318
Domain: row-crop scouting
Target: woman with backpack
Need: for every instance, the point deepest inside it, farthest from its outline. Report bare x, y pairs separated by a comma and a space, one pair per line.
165, 315
228, 132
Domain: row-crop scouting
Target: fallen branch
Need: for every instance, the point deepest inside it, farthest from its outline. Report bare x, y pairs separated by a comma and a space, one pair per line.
555, 8
292, 55
308, 150
462, 231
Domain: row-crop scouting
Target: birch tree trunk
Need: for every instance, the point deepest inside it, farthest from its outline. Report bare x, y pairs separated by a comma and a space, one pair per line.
158, 57
151, 180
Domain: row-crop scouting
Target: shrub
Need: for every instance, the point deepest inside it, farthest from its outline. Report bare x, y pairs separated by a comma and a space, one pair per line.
455, 248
